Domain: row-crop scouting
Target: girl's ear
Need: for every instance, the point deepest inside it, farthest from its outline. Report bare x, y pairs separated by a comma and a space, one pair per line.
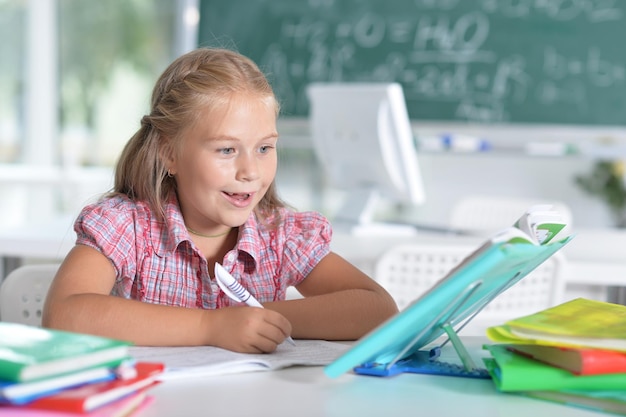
166, 153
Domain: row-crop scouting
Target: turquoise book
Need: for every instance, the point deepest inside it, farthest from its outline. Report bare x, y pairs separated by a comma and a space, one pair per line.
399, 344
513, 372
29, 353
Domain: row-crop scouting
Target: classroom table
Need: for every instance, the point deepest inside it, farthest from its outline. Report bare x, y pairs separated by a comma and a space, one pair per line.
307, 391
49, 240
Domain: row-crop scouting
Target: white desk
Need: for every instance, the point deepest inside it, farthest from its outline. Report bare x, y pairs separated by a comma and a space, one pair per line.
45, 240
307, 391
40, 190
40, 239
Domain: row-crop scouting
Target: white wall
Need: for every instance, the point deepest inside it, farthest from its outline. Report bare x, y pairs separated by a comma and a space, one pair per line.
450, 177
507, 170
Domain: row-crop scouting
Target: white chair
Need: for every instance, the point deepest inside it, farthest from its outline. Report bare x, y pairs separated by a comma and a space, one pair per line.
407, 271
23, 293
483, 215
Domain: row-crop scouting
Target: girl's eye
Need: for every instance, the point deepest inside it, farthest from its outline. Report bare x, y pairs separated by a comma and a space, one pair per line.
265, 148
227, 151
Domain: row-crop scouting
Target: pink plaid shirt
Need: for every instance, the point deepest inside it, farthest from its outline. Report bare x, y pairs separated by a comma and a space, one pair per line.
158, 263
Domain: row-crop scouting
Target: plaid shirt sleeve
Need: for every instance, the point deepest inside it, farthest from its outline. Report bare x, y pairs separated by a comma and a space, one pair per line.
111, 227
308, 236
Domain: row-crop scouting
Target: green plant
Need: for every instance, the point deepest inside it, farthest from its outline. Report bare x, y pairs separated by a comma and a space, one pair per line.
606, 181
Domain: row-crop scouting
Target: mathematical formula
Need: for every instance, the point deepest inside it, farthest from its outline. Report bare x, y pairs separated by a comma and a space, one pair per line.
452, 58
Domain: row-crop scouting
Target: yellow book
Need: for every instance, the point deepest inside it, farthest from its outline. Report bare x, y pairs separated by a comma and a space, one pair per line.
579, 323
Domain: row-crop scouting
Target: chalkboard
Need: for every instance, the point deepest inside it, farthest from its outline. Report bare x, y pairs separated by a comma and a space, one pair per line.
487, 61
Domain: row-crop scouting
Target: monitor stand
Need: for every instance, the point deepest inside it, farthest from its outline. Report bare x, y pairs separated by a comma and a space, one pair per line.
355, 217
374, 229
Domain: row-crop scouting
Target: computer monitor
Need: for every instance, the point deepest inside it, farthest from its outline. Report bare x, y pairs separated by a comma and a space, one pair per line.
363, 139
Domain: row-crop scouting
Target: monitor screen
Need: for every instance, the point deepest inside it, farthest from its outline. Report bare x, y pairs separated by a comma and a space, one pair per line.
363, 139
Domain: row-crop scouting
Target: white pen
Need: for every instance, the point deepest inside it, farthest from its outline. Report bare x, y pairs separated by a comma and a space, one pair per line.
236, 291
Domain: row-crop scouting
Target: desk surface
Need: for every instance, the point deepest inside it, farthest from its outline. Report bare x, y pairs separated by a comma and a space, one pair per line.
48, 239
307, 391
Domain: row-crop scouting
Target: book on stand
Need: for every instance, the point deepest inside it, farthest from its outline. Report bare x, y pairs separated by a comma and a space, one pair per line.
543, 224
538, 226
401, 344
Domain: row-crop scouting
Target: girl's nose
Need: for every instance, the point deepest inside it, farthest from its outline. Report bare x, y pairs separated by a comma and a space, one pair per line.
248, 167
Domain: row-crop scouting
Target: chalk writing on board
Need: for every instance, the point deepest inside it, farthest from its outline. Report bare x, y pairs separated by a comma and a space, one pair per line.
481, 60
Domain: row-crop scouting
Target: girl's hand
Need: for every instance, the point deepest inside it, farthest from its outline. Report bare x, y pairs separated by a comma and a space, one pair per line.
247, 329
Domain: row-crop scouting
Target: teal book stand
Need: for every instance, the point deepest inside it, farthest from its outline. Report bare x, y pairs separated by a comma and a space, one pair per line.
399, 344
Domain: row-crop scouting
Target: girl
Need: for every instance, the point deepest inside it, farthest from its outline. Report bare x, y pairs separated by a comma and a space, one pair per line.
195, 186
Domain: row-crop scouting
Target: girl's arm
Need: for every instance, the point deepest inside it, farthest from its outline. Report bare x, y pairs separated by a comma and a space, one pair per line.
79, 300
341, 303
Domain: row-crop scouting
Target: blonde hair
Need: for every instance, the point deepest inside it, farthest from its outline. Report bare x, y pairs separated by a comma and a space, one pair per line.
201, 79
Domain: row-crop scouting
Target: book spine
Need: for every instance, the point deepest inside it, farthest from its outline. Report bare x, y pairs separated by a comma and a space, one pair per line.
596, 363
10, 372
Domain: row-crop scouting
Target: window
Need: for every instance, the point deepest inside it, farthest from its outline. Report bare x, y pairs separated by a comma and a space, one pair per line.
75, 78
83, 70
110, 53
12, 16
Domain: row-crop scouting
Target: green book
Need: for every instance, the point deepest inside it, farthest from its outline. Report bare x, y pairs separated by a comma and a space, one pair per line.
513, 372
607, 401
29, 353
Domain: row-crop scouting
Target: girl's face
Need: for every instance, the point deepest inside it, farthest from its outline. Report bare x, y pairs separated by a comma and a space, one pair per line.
226, 163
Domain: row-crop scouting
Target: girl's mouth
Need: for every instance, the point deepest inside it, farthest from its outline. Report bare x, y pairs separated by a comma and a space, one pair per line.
239, 199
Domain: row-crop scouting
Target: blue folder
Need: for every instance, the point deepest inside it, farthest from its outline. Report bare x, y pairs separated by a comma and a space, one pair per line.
395, 346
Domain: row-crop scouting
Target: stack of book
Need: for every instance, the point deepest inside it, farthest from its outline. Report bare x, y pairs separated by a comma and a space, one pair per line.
573, 353
45, 372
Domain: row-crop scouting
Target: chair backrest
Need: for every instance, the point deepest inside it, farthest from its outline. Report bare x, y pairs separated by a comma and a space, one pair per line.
487, 214
23, 292
407, 271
